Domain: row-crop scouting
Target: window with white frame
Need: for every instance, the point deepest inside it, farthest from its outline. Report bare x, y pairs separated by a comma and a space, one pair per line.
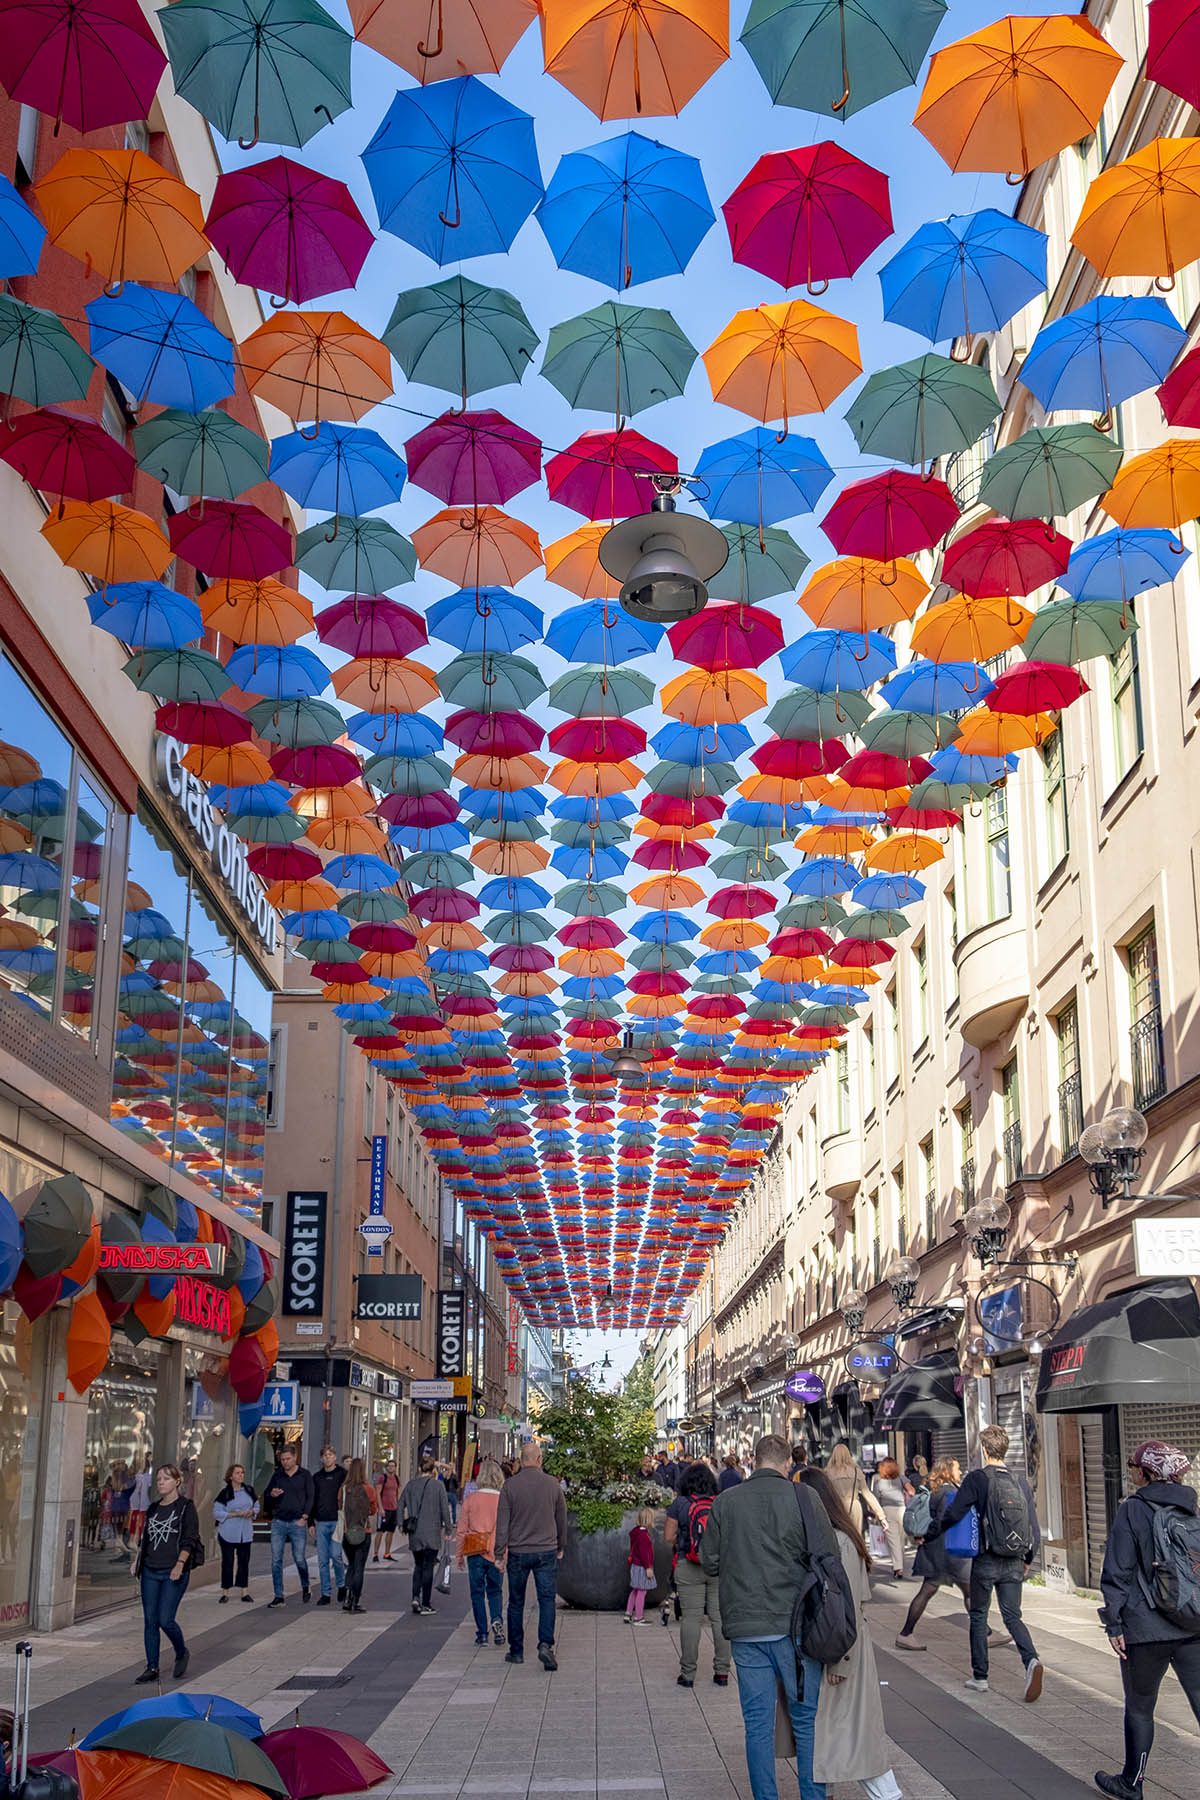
1126, 682
920, 1002
1058, 837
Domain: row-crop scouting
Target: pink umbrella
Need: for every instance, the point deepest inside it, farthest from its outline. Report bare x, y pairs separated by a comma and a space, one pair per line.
1179, 395
793, 759
64, 453
742, 902
288, 230
727, 637
371, 625
233, 541
1005, 556
522, 959
606, 474
592, 934
494, 734
316, 765
90, 63
808, 215
315, 1760
420, 810
662, 854
443, 905
473, 458
889, 515
597, 740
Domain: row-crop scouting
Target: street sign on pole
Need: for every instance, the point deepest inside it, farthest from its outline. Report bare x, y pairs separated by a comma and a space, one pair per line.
377, 1232
281, 1402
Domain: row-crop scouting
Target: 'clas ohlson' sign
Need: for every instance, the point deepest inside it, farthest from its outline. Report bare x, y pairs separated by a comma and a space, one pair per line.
227, 851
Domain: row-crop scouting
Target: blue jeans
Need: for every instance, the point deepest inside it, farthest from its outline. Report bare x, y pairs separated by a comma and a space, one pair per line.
759, 1666
487, 1585
160, 1603
288, 1531
543, 1566
327, 1549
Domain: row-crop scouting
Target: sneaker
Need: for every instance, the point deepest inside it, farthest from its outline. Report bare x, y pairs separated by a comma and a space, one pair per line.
637, 1621
426, 1610
181, 1665
146, 1675
514, 1656
246, 1600
358, 1607
497, 1632
305, 1595
547, 1657
980, 1686
906, 1643
224, 1600
375, 1558
720, 1681
1033, 1680
1118, 1787
277, 1601
341, 1594
416, 1606
325, 1600
484, 1639
629, 1618
684, 1681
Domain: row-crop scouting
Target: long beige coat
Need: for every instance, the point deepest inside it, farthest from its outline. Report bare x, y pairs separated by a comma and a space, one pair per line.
851, 1741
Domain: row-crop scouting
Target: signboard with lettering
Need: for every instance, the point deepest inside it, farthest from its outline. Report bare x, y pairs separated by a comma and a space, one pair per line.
433, 1393
200, 1304
304, 1255
1166, 1246
451, 1332
375, 1227
1066, 1364
226, 850
158, 1259
801, 1385
871, 1361
388, 1297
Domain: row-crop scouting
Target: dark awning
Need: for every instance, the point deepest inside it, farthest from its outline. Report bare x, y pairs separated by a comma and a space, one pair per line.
925, 1396
1143, 1345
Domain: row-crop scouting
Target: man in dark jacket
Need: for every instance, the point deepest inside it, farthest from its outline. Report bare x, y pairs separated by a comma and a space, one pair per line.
328, 1482
990, 1571
531, 1535
758, 1540
290, 1492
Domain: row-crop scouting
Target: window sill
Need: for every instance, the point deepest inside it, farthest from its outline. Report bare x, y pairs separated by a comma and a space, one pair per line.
1136, 780
894, 1087
1055, 881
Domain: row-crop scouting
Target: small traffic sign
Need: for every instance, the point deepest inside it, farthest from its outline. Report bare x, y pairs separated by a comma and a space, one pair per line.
281, 1402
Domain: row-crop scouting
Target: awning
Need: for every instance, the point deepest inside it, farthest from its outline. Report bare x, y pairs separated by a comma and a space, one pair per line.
1142, 1345
931, 1318
925, 1396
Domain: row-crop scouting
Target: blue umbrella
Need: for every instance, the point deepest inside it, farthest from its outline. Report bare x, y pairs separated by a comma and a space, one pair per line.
11, 1245
1118, 564
454, 169
1104, 352
36, 959
147, 615
22, 234
394, 734
694, 745
34, 874
599, 632
626, 210
579, 863
927, 687
758, 478
257, 800
827, 660
889, 890
162, 347
37, 799
525, 803
277, 671
343, 467
951, 766
325, 924
365, 873
591, 811
820, 876
513, 894
968, 273
486, 618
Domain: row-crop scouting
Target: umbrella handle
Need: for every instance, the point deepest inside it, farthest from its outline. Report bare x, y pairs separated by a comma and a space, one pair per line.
1165, 284
1017, 180
1104, 422
113, 288
893, 578
817, 287
966, 355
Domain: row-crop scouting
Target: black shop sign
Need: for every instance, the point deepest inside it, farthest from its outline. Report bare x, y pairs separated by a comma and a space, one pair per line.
304, 1255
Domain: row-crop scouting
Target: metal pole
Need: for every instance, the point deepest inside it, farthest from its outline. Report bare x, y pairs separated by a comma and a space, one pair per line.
336, 1227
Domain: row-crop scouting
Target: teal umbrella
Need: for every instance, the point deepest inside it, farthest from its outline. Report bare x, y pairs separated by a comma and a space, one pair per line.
490, 683
178, 674
593, 692
373, 909
460, 336
747, 866
39, 359
804, 713
437, 868
900, 733
661, 956
875, 922
591, 900
205, 453
837, 56
761, 564
1049, 471
804, 915
618, 359
267, 828
272, 69
355, 556
922, 409
299, 724
1074, 631
688, 783
408, 774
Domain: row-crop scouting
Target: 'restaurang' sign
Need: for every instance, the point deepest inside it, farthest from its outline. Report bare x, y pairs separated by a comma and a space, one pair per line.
165, 1259
226, 850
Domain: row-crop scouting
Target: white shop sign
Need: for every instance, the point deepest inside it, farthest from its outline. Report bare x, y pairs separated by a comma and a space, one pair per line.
1166, 1246
226, 850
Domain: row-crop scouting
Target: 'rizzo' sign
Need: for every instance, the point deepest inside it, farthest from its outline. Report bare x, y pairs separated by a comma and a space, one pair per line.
304, 1255
452, 1332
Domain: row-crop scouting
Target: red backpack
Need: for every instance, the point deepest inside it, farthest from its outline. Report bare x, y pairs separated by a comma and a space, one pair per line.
697, 1519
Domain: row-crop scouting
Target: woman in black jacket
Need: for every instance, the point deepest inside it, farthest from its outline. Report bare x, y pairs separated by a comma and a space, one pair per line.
1147, 1642
171, 1546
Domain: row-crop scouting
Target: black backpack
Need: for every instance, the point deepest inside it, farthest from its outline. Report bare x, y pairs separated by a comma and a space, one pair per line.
1172, 1585
1006, 1525
824, 1617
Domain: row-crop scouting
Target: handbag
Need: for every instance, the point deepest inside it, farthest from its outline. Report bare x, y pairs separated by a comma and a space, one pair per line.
476, 1543
877, 1542
444, 1578
962, 1538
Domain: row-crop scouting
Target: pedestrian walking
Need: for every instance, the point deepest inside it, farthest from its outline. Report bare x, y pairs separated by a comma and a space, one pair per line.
641, 1566
851, 1741
699, 1593
477, 1551
452, 1492
388, 1489
328, 1481
1151, 1587
799, 1460
425, 1512
731, 1472
360, 1503
758, 1541
235, 1509
888, 1488
1008, 1542
531, 1535
850, 1485
291, 1495
936, 1566
171, 1547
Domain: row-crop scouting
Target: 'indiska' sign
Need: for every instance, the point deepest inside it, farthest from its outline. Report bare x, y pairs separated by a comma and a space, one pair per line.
165, 1259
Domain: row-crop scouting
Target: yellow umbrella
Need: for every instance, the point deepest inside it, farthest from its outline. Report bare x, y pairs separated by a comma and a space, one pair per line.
856, 593
776, 361
1159, 487
963, 629
1142, 217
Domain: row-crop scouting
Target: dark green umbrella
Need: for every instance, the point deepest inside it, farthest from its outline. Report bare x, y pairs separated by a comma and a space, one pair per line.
178, 674
437, 868
461, 337
618, 359
272, 69
1075, 631
922, 409
201, 1744
805, 713
299, 724
495, 682
205, 453
235, 1262
121, 1229
57, 1223
264, 1305
661, 956
161, 1204
267, 828
1049, 471
356, 556
373, 909
39, 359
761, 564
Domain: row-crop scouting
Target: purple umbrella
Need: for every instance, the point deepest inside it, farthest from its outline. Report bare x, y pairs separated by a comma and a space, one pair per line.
371, 625
420, 810
473, 458
288, 230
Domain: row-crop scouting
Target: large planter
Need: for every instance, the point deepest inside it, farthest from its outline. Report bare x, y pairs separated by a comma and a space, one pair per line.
594, 1571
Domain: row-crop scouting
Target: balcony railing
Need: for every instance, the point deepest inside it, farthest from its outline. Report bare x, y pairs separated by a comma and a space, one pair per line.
931, 1218
966, 1181
1070, 1114
1149, 1067
1012, 1152
964, 470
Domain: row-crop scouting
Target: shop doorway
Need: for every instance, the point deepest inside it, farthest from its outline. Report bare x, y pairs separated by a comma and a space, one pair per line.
20, 1432
118, 1465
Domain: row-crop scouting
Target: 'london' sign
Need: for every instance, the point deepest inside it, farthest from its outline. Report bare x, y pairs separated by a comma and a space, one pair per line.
227, 851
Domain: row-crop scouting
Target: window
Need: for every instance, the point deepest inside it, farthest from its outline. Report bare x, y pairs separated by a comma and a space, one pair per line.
1010, 1100
841, 1071
1058, 840
892, 1002
868, 1040
1070, 1087
1127, 706
1145, 1035
999, 872
921, 992
929, 1184
966, 1143
900, 1207
275, 1079
137, 136
952, 928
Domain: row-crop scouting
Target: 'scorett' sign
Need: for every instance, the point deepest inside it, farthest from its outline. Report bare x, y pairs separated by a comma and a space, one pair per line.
304, 1255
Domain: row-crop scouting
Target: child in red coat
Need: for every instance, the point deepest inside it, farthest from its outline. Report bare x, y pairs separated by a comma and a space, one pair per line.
641, 1566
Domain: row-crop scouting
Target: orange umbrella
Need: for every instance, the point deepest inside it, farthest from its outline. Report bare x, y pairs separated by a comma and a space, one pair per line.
478, 547
449, 936
317, 365
573, 562
591, 962
1016, 93
237, 765
120, 212
723, 698
314, 895
380, 684
156, 1315
348, 837
495, 857
734, 934
111, 542
680, 834
963, 629
438, 39
667, 891
256, 612
781, 790
503, 773
986, 733
1142, 217
905, 853
352, 801
835, 840
16, 837
594, 780
776, 361
847, 797
525, 983
856, 593
1159, 487
634, 57
124, 1775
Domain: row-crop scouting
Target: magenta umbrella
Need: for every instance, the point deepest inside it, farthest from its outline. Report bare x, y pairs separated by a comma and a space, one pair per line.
316, 765
288, 230
88, 63
494, 734
65, 453
419, 811
441, 905
808, 215
371, 625
314, 1760
473, 458
889, 515
606, 474
231, 540
598, 740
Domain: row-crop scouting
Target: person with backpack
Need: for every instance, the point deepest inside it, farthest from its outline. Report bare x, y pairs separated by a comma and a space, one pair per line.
698, 1593
1151, 1587
1008, 1541
935, 1565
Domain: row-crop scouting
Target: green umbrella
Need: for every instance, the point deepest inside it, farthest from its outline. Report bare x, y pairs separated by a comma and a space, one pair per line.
518, 928
275, 69
1074, 631
591, 899
365, 556
505, 831
495, 682
39, 359
597, 693
922, 409
837, 56
460, 337
121, 1229
264, 1306
761, 564
875, 922
160, 1203
826, 1015
199, 1743
721, 984
907, 734
593, 1009
804, 915
661, 956
1049, 471
688, 783
373, 909
413, 775
299, 724
605, 834
749, 865
618, 359
437, 868
946, 796
178, 674
205, 453
270, 828
328, 950
44, 905
757, 836
804, 713
57, 1222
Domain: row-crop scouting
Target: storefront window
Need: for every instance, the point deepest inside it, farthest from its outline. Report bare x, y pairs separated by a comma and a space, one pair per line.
384, 1448
205, 1450
118, 1448
20, 1423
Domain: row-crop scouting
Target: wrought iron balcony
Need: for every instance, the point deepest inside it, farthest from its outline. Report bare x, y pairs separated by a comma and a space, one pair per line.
1070, 1114
1149, 1066
1012, 1152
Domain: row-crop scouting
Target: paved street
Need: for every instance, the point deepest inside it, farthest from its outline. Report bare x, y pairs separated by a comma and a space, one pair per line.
612, 1724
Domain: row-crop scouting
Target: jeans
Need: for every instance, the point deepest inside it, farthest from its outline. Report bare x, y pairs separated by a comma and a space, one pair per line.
231, 1554
327, 1550
1142, 1673
759, 1667
283, 1532
698, 1593
487, 1589
1005, 1574
453, 1499
160, 1603
425, 1564
543, 1566
356, 1568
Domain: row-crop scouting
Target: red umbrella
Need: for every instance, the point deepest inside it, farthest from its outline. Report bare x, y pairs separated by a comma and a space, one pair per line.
727, 636
591, 934
795, 758
494, 734
371, 625
796, 942
742, 902
924, 818
606, 474
443, 904
1173, 50
1179, 395
204, 722
808, 215
861, 953
597, 740
316, 766
420, 810
892, 514
663, 854
288, 230
671, 809
1005, 557
232, 540
283, 862
1034, 687
876, 769
315, 1760
91, 63
473, 458
63, 453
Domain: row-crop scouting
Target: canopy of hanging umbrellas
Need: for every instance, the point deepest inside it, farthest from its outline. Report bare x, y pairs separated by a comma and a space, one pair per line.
502, 843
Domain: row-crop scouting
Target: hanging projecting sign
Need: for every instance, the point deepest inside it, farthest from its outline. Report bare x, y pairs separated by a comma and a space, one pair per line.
169, 1259
388, 1297
227, 851
801, 1385
452, 1333
375, 1228
304, 1255
871, 1361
